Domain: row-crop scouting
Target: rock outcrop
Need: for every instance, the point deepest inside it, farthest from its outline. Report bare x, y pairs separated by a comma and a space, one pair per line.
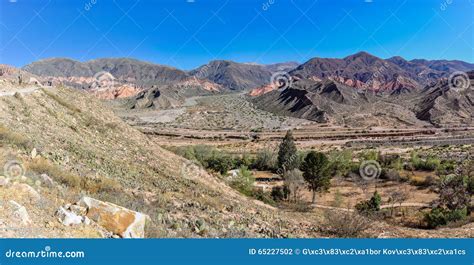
116, 219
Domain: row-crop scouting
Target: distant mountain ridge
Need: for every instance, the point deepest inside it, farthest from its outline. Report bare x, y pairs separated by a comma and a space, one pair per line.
363, 70
131, 77
131, 70
227, 74
232, 75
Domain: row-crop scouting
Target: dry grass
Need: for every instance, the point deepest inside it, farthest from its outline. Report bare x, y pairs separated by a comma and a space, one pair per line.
8, 136
62, 102
91, 185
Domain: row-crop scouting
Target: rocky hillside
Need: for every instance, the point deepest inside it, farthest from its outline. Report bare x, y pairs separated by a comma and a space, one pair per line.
363, 70
322, 101
332, 102
286, 66
77, 142
172, 95
124, 69
234, 76
444, 103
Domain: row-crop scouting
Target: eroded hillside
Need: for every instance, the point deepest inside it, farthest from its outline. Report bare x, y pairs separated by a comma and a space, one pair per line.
76, 134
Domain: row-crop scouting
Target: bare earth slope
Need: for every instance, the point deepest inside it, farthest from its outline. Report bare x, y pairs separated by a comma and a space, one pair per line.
332, 102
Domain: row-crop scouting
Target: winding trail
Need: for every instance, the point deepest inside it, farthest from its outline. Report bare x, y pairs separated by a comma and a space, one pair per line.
387, 206
21, 91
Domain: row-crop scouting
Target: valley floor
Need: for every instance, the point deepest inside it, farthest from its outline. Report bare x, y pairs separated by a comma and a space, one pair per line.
234, 126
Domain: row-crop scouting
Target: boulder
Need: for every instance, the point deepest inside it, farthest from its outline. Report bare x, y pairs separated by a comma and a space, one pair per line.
46, 180
116, 219
30, 192
69, 218
20, 213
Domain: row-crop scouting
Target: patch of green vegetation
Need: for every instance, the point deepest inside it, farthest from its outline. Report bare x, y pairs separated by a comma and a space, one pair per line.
428, 164
370, 206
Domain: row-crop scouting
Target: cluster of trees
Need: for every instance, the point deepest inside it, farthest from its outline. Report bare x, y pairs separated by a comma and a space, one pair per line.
214, 159
314, 170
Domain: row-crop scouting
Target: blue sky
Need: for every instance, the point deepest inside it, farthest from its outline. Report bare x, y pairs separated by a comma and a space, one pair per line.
189, 33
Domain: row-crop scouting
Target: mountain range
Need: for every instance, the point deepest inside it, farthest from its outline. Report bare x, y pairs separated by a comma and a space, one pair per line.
328, 101
321, 89
360, 70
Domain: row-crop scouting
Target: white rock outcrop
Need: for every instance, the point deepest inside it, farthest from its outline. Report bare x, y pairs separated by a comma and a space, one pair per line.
116, 219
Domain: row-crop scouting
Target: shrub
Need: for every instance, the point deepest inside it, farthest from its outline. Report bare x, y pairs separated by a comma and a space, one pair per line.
345, 224
245, 160
453, 193
203, 153
439, 216
340, 162
390, 174
430, 164
243, 182
265, 160
221, 163
280, 193
370, 206
446, 167
265, 197
470, 185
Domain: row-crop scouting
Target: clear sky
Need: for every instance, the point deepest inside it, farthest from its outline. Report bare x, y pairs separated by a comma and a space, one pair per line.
189, 33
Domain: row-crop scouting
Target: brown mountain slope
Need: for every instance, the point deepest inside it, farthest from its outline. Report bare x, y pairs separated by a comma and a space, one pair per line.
363, 70
331, 102
443, 104
232, 75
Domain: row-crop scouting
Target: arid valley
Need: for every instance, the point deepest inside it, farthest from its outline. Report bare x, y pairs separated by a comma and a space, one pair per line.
125, 148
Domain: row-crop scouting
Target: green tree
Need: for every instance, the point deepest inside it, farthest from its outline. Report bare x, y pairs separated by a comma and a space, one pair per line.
287, 154
317, 172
